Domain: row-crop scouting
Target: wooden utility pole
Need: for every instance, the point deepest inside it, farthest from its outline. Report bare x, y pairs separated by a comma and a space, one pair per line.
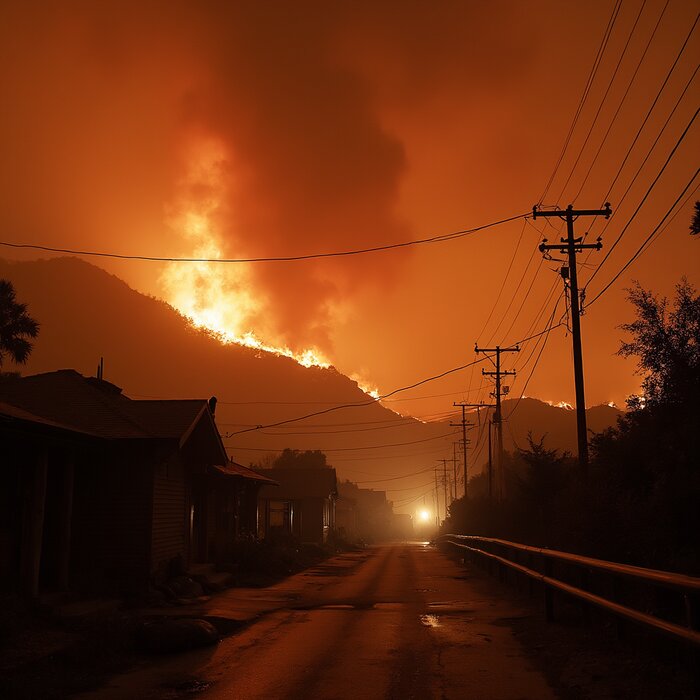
444, 483
454, 468
497, 417
437, 498
570, 246
465, 425
490, 464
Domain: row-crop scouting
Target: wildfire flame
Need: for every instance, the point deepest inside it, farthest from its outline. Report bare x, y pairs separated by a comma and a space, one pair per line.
212, 295
370, 390
560, 404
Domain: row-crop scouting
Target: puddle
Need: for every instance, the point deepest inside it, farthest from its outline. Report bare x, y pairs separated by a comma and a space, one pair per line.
337, 607
430, 620
461, 606
388, 606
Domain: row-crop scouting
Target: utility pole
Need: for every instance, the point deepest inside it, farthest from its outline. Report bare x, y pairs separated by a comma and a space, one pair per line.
454, 467
444, 483
437, 499
497, 417
570, 246
490, 464
465, 425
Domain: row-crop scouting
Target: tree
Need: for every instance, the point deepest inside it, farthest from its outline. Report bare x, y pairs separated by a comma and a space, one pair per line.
695, 221
647, 469
667, 345
296, 459
17, 327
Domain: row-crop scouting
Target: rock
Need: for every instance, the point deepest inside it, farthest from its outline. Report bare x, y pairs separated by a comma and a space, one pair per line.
169, 636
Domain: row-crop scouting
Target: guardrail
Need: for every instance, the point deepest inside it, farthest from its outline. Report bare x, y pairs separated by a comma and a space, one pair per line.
555, 570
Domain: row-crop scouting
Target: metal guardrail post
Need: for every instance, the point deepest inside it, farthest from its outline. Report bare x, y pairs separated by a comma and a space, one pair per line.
585, 585
548, 592
616, 603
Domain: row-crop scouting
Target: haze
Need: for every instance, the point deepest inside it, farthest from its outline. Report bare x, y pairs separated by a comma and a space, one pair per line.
246, 130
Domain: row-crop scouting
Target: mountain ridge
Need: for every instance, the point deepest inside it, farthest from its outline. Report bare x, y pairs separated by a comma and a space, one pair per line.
152, 351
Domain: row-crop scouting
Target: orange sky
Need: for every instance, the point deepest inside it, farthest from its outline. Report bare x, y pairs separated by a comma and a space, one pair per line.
234, 129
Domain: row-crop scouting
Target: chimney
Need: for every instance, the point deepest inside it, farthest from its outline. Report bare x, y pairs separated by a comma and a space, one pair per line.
212, 405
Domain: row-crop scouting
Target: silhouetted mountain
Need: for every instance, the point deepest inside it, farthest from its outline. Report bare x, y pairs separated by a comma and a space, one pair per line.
151, 351
557, 425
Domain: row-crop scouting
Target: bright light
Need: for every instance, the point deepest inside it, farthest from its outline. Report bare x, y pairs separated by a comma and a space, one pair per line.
424, 516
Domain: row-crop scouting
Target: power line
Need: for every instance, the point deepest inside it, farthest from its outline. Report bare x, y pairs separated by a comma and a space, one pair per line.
377, 400
287, 258
541, 311
522, 303
622, 101
653, 104
396, 478
650, 150
385, 458
602, 101
408, 488
358, 405
337, 432
346, 449
534, 367
641, 248
515, 293
396, 421
402, 503
505, 277
584, 96
648, 192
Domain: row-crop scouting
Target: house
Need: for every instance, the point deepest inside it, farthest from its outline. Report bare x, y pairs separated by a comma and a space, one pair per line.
368, 516
301, 505
102, 492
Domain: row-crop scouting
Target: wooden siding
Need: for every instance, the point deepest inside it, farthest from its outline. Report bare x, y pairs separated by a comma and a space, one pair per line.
169, 533
112, 521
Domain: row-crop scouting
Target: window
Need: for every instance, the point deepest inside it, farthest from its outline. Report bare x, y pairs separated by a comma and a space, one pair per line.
280, 515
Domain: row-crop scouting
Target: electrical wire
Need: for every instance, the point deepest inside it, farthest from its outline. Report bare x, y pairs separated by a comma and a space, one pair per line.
586, 90
374, 401
650, 150
357, 405
349, 449
622, 101
396, 478
524, 299
515, 294
653, 104
385, 458
602, 101
505, 277
539, 356
646, 196
648, 239
336, 432
285, 258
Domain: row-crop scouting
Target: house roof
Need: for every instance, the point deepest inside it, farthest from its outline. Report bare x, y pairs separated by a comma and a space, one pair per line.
12, 413
238, 470
297, 484
96, 407
69, 398
172, 418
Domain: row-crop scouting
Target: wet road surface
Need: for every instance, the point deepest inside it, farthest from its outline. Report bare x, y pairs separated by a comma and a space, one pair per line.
397, 621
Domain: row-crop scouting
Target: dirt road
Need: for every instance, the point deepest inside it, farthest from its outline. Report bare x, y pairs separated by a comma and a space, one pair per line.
399, 621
